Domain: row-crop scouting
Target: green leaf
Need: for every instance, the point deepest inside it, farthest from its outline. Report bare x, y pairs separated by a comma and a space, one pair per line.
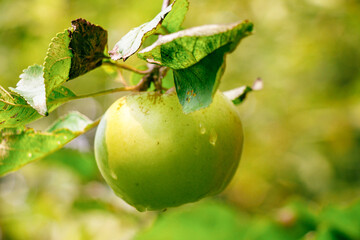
5, 96
202, 221
344, 222
57, 62
88, 42
18, 113
83, 164
326, 233
172, 22
185, 48
196, 85
197, 56
238, 95
73, 121
20, 146
70, 54
40, 87
32, 88
131, 42
58, 97
73, 53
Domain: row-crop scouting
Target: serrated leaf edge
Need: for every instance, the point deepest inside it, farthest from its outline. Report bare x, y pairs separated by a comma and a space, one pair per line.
42, 110
116, 55
46, 62
198, 31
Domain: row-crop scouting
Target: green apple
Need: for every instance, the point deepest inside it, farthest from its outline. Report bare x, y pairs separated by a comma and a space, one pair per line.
154, 156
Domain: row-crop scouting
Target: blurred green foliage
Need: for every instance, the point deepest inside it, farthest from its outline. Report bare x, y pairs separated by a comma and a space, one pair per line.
215, 220
299, 175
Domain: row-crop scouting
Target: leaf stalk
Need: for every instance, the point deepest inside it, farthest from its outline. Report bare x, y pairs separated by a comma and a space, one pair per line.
128, 67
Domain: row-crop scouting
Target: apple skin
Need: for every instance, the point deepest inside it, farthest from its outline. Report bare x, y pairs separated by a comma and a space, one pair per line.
154, 156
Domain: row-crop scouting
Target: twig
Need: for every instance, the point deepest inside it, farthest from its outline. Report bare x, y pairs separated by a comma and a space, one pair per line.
94, 94
127, 67
136, 88
121, 78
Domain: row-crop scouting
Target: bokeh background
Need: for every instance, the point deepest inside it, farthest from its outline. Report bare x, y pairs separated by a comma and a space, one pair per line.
299, 177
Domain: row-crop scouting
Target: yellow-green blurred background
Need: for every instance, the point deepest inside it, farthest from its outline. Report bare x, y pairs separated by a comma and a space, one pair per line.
299, 176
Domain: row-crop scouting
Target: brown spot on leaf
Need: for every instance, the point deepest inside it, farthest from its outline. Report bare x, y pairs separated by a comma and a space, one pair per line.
14, 116
2, 122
